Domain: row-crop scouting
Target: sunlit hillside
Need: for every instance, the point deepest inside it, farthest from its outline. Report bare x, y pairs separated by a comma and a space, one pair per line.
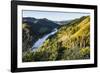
71, 42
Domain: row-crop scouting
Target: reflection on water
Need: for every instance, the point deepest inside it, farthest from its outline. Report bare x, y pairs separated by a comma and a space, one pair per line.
39, 42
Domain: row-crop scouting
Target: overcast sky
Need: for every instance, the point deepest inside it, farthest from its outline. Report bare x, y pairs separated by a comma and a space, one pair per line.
55, 16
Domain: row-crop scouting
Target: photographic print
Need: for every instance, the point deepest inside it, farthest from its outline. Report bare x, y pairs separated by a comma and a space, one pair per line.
50, 36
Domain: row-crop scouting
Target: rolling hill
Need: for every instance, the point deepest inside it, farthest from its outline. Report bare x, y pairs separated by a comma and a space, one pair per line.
40, 26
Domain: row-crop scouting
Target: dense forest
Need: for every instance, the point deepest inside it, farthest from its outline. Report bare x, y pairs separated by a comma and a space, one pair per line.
71, 42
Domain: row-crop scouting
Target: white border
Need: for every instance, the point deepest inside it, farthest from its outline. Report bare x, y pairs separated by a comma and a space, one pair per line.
53, 63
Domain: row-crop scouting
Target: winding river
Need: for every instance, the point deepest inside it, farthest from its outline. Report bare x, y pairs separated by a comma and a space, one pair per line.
40, 41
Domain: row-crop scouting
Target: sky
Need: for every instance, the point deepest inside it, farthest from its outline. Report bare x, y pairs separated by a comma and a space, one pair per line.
51, 15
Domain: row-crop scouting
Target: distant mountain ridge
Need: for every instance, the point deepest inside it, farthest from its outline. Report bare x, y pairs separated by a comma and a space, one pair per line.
36, 21
64, 22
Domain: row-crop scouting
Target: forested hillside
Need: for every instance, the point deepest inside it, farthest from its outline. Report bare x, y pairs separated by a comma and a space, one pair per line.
33, 29
71, 42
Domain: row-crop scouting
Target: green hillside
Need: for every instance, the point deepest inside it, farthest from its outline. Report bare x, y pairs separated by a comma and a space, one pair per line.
71, 42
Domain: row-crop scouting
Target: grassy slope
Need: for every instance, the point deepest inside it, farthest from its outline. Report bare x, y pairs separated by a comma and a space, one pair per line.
71, 42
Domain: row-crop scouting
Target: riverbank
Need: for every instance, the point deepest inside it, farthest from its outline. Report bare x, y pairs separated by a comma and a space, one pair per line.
39, 42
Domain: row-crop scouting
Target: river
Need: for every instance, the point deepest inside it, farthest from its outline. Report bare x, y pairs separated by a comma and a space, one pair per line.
40, 41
